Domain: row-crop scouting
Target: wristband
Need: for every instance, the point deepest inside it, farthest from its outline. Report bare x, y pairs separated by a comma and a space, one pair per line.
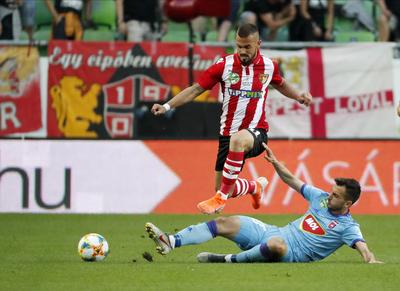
166, 106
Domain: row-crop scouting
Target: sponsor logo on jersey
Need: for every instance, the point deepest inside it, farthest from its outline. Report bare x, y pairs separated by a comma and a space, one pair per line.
233, 78
245, 93
333, 224
263, 78
311, 225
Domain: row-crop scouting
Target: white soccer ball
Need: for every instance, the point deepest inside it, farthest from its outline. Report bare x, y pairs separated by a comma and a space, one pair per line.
93, 247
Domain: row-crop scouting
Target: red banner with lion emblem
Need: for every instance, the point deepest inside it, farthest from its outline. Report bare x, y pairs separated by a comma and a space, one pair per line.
96, 89
20, 107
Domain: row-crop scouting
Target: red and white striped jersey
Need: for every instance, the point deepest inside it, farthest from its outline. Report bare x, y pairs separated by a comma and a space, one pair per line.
244, 90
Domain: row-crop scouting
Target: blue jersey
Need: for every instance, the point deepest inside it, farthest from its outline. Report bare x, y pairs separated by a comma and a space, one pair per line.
318, 233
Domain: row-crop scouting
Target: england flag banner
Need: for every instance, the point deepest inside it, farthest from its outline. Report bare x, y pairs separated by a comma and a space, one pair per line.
353, 90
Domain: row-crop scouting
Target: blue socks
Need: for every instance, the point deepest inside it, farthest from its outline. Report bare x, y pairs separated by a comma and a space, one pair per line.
196, 234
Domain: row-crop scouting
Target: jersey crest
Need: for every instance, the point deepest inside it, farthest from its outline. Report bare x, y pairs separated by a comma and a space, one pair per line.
310, 224
263, 78
333, 224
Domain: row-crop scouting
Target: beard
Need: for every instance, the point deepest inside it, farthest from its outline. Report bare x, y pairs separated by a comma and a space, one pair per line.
246, 59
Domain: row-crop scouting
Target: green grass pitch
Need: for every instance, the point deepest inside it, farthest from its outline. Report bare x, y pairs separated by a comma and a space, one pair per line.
39, 252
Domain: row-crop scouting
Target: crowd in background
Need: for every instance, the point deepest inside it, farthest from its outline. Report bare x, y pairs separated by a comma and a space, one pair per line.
138, 20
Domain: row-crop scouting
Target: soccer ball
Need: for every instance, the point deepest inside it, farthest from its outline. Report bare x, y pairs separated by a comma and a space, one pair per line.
93, 247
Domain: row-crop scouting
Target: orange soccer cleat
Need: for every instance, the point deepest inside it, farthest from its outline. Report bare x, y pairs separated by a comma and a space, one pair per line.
212, 205
261, 183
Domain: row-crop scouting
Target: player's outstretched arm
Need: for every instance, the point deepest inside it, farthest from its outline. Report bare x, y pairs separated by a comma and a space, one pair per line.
367, 255
183, 97
289, 91
282, 171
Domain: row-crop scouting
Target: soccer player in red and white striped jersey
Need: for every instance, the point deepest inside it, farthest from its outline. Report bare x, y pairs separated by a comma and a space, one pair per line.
244, 78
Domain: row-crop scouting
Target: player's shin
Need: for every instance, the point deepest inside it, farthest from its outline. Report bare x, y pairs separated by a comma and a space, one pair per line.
230, 173
196, 234
259, 253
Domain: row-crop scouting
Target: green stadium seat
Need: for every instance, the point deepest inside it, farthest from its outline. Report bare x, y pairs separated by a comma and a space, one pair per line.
104, 19
347, 29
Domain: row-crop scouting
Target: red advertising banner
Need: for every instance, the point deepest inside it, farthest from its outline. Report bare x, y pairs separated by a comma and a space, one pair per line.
94, 88
20, 107
375, 164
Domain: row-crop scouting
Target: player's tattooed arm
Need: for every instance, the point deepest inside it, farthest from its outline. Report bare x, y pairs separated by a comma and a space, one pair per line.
367, 255
181, 98
282, 171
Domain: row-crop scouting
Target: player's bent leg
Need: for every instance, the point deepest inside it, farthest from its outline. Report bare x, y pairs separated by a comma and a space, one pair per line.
191, 235
255, 188
227, 227
239, 142
272, 251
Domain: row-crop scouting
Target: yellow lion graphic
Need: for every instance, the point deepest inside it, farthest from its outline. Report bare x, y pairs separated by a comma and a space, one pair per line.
74, 108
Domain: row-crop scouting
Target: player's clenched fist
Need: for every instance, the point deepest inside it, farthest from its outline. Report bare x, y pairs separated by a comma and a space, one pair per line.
158, 109
305, 98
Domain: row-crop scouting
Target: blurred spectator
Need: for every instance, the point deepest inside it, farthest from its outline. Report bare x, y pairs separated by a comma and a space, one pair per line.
140, 20
67, 17
316, 18
389, 27
224, 25
270, 14
10, 20
28, 17
200, 26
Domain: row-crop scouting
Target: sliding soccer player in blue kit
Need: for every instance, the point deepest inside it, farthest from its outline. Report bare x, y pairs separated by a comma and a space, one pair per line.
325, 227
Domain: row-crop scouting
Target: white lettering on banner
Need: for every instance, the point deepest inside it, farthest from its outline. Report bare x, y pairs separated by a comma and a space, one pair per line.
284, 106
352, 104
316, 103
358, 103
66, 60
8, 112
334, 164
105, 62
172, 61
370, 171
124, 59
301, 172
396, 183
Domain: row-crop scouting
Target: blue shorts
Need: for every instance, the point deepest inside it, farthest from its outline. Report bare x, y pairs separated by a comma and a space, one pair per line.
254, 232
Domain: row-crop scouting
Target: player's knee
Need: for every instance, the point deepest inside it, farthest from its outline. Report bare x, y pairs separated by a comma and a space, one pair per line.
273, 250
277, 247
237, 142
222, 222
227, 225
